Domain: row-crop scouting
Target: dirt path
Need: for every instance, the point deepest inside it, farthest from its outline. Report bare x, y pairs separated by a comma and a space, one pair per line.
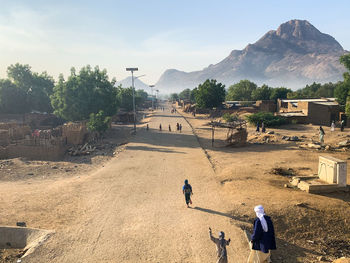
133, 210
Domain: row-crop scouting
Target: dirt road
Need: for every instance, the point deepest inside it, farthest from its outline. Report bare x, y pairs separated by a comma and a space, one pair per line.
133, 210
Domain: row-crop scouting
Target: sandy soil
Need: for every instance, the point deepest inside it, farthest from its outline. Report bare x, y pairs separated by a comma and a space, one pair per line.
131, 208
308, 226
128, 206
22, 169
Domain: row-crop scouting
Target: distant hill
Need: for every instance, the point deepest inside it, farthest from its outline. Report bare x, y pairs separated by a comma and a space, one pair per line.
126, 83
294, 55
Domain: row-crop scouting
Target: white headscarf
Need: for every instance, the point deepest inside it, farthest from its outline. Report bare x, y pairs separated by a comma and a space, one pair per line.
259, 210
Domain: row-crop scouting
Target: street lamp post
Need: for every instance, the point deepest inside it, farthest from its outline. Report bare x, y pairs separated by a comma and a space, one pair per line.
133, 93
157, 97
152, 86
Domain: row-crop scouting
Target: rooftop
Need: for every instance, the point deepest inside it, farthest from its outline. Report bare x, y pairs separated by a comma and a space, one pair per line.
310, 100
292, 114
327, 103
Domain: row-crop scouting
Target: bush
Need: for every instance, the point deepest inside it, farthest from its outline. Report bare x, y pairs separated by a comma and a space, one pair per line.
230, 117
267, 118
98, 122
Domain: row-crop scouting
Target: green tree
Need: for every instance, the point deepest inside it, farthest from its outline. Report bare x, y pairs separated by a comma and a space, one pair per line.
262, 93
30, 90
174, 96
185, 94
344, 88
193, 95
341, 93
82, 94
140, 97
98, 122
241, 91
210, 94
327, 90
12, 98
279, 93
125, 98
315, 90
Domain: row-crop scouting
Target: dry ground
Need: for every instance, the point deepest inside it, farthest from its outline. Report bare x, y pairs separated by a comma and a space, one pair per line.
131, 208
128, 207
308, 226
22, 169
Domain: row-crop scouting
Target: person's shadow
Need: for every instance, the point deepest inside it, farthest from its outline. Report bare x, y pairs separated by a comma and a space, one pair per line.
243, 219
211, 211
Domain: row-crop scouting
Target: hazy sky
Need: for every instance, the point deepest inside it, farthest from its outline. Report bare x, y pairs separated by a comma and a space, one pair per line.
153, 35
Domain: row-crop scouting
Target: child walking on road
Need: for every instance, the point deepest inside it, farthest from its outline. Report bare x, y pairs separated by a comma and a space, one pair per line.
221, 244
187, 191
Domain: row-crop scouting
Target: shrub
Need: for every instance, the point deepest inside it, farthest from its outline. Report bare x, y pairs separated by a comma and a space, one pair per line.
267, 118
230, 117
98, 122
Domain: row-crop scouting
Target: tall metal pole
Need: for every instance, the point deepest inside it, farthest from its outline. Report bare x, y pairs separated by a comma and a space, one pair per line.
133, 99
133, 93
152, 96
152, 86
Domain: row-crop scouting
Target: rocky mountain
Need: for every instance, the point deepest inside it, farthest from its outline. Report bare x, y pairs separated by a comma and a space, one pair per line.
294, 55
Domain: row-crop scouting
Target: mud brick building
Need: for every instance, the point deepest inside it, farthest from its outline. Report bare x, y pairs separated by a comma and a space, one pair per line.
315, 111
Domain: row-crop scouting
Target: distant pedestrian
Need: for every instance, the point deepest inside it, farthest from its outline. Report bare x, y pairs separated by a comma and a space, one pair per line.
187, 191
147, 128
160, 127
177, 126
169, 128
321, 134
332, 126
257, 127
221, 244
263, 130
180, 127
263, 237
342, 125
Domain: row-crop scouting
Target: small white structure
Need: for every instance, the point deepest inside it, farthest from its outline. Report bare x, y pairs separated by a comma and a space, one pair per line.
332, 170
332, 173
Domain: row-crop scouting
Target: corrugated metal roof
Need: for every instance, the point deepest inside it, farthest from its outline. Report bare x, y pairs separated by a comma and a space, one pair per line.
327, 103
292, 114
311, 100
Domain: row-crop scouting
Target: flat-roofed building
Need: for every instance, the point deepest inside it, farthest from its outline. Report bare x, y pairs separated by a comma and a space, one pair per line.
315, 111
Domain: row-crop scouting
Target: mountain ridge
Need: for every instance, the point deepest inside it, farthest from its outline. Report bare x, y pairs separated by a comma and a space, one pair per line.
293, 55
138, 84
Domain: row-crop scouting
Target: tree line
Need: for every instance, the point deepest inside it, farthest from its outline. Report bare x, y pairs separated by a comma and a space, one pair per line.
84, 92
211, 94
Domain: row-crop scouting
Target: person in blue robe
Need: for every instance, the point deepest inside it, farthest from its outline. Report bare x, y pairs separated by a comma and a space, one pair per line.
263, 237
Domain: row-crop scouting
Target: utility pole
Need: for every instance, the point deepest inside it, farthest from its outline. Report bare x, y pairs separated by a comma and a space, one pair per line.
157, 97
133, 93
152, 86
